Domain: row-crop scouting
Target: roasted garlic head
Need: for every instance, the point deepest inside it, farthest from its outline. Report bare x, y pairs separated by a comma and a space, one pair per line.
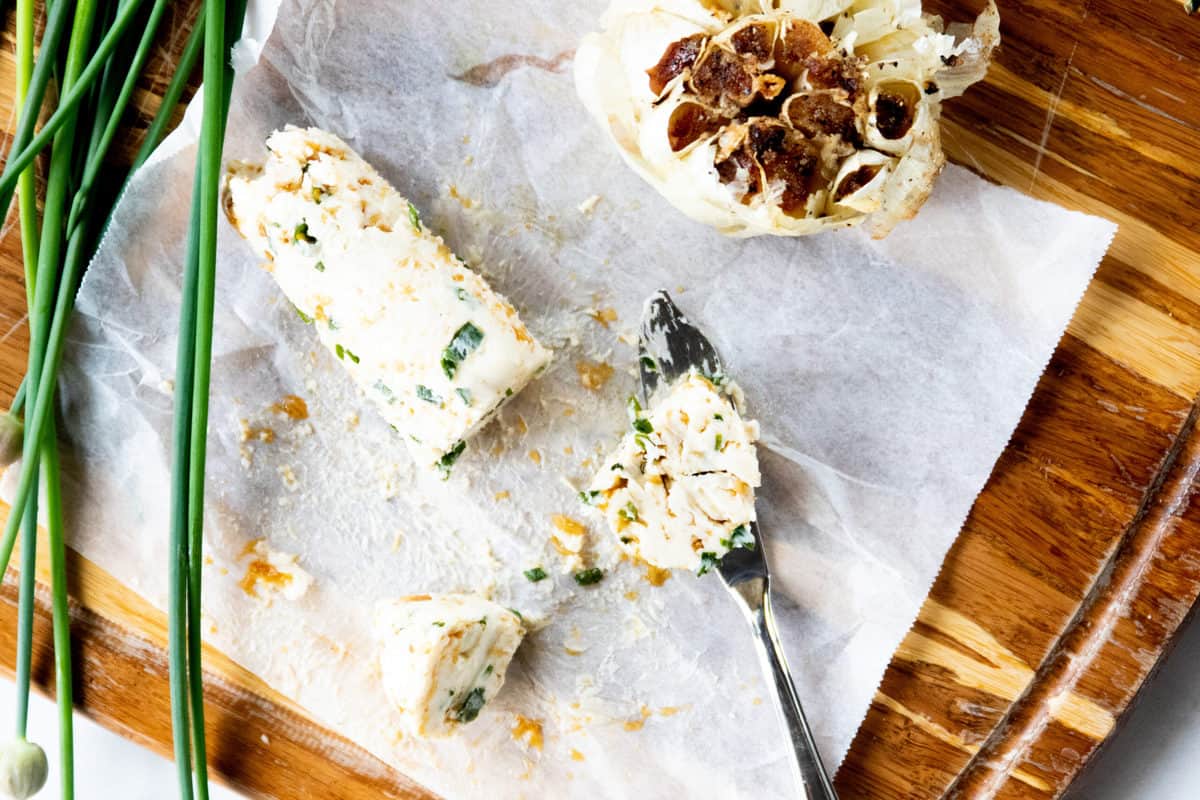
783, 117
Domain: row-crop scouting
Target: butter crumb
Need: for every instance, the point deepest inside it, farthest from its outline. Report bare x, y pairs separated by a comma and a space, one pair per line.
589, 205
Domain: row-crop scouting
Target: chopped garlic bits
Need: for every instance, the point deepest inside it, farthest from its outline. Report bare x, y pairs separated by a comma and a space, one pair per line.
781, 117
443, 657
679, 490
425, 337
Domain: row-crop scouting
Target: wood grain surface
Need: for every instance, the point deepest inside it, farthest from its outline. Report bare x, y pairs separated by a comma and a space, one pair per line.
1081, 557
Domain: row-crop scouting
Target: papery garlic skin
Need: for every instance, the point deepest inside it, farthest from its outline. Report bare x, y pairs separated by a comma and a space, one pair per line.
744, 115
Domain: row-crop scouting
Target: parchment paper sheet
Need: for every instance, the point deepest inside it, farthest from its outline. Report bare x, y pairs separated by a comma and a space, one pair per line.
887, 376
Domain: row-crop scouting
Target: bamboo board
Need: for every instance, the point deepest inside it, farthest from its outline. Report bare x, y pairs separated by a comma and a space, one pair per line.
1081, 557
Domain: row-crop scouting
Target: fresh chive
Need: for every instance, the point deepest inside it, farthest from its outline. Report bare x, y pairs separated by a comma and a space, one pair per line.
587, 577
385, 390
464, 342
471, 706
629, 513
301, 234
536, 574
643, 426
439, 624
307, 320
319, 266
708, 562
427, 394
649, 364
720, 440
464, 394
414, 217
739, 537
587, 497
462, 294
446, 463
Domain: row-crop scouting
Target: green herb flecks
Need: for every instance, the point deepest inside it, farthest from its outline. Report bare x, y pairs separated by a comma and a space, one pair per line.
344, 352
318, 193
587, 577
718, 417
588, 497
437, 623
386, 391
708, 562
301, 234
490, 668
414, 217
319, 266
740, 537
629, 513
446, 462
428, 395
304, 317
536, 574
470, 707
643, 426
649, 364
462, 294
720, 440
466, 340
464, 395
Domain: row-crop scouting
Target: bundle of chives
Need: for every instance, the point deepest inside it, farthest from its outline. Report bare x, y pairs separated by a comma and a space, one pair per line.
97, 78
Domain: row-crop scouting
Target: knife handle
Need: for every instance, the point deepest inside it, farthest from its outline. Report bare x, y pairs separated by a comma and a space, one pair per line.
806, 761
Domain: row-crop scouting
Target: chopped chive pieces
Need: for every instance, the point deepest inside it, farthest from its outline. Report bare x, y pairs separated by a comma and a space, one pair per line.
439, 624
588, 497
386, 391
483, 621
616, 467
301, 234
519, 616
446, 462
426, 394
351, 356
708, 562
307, 319
466, 340
629, 513
464, 395
643, 426
333, 326
720, 440
414, 217
319, 266
718, 417
317, 193
649, 364
344, 352
508, 392
587, 577
489, 669
626, 539
536, 574
739, 537
462, 294
469, 709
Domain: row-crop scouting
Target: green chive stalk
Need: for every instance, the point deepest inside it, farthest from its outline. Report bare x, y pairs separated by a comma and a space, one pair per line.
75, 89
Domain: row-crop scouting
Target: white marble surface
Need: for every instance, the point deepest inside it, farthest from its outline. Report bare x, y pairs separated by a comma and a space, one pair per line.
106, 765
1154, 754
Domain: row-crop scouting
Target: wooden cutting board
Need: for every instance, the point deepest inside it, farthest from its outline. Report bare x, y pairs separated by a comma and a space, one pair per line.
1080, 558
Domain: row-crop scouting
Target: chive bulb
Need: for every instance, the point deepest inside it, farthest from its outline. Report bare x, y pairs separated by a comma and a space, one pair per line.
23, 769
12, 435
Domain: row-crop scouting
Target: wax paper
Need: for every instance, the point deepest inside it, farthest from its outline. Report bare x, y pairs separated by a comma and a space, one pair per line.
887, 377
